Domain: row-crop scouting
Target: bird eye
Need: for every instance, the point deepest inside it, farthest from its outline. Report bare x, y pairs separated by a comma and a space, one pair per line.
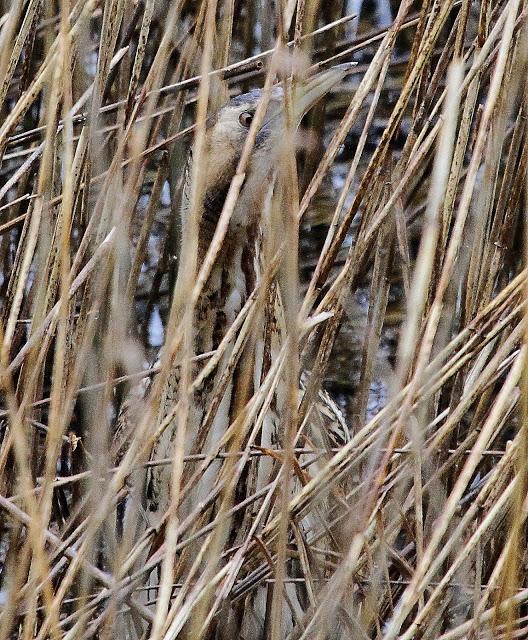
245, 118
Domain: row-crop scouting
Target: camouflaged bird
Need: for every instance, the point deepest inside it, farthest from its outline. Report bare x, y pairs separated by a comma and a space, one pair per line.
236, 273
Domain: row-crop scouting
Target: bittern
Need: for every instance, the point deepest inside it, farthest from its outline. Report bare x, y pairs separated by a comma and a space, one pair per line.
236, 272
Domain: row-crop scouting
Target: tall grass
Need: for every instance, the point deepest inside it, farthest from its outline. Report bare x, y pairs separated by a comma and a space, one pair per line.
400, 225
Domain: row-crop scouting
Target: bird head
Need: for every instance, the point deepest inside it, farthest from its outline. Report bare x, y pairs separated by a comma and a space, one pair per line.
228, 129
226, 134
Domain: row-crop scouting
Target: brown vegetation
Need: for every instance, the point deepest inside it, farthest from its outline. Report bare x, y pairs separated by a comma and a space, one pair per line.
399, 226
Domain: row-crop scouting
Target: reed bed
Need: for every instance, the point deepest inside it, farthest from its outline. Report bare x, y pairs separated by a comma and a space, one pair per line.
397, 250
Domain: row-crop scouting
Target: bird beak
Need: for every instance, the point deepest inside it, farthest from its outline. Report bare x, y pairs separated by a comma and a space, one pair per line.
308, 92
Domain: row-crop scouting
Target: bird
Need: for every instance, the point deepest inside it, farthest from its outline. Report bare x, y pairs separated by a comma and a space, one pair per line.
237, 272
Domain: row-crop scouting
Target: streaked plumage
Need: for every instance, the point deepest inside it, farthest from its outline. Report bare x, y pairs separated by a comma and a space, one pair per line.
235, 275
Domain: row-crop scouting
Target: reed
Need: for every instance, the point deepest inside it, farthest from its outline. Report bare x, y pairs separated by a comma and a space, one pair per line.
348, 457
